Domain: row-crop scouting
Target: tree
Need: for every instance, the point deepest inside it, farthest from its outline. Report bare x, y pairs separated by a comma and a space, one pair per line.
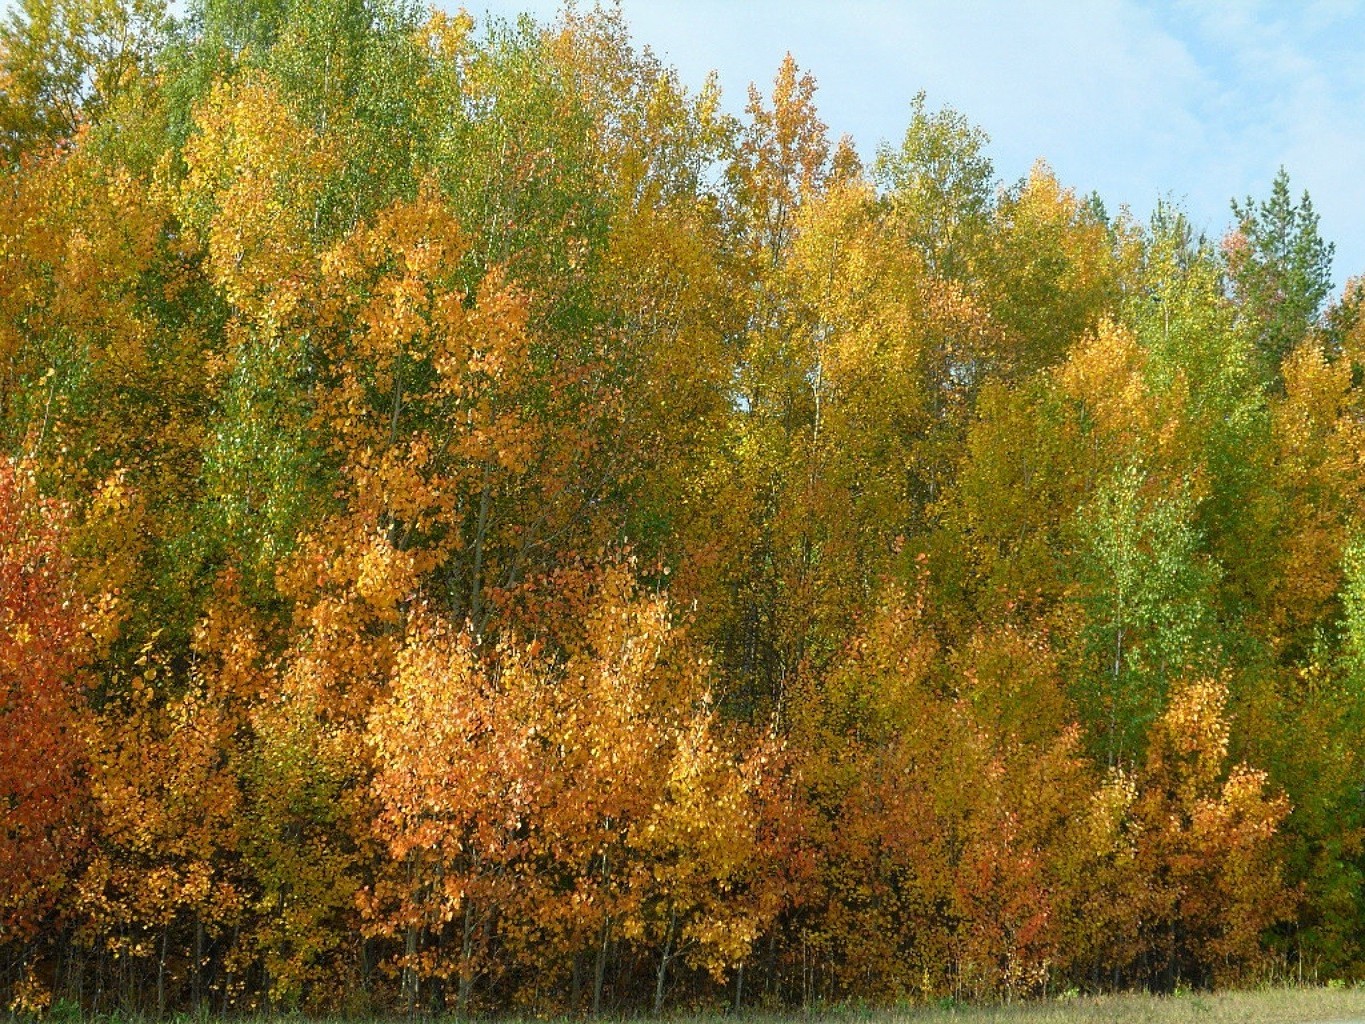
543, 819
783, 157
941, 187
43, 717
397, 415
1055, 270
459, 796
1146, 594
167, 805
1280, 270
1177, 870
63, 62
934, 848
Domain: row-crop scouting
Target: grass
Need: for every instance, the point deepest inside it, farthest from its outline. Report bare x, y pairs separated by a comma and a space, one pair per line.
1298, 1005
1269, 1006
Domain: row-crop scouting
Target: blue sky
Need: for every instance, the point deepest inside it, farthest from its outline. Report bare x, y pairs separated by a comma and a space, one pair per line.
1199, 100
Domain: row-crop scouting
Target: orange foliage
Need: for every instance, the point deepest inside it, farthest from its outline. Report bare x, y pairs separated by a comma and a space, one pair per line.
43, 717
532, 810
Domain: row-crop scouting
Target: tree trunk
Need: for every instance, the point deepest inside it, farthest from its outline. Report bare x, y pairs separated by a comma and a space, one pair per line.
476, 575
600, 972
198, 976
410, 970
466, 961
661, 978
576, 983
161, 973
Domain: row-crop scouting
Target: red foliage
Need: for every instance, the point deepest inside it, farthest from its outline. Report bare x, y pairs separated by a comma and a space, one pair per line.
40, 708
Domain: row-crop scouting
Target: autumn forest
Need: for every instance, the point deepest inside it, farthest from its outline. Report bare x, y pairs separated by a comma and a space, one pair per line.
484, 530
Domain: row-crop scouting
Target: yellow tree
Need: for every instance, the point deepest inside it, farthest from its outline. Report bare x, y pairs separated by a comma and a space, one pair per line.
1176, 869
936, 855
781, 161
1054, 271
168, 808
1316, 495
455, 745
1020, 776
98, 387
64, 62
638, 765
544, 819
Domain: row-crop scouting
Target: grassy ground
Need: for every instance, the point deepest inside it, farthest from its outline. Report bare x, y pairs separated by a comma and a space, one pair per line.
1270, 1006
1273, 1006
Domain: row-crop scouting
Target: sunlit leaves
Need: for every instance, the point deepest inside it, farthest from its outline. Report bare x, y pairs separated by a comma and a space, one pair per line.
940, 185
63, 62
1189, 842
252, 192
528, 809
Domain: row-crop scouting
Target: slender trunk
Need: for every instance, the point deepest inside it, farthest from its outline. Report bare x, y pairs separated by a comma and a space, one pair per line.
805, 974
739, 988
80, 976
62, 967
476, 581
661, 978
129, 981
600, 973
770, 982
101, 971
410, 970
47, 415
1114, 694
227, 986
576, 983
816, 387
466, 961
396, 405
198, 994
73, 982
161, 973
600, 970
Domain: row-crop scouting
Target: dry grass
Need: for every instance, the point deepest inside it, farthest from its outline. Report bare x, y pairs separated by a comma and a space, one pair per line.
1299, 1005
1271, 1006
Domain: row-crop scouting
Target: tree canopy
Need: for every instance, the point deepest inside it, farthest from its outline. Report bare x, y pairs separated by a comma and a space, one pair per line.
483, 529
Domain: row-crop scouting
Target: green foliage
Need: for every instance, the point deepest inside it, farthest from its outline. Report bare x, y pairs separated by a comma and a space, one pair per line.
1280, 269
941, 187
1145, 589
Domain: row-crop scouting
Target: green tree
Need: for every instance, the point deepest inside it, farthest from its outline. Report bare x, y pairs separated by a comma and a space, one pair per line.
1280, 270
941, 185
1145, 589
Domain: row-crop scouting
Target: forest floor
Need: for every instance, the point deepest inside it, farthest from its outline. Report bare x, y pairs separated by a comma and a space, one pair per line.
1269, 1006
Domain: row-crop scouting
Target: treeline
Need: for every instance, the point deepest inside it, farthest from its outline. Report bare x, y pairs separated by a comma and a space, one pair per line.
482, 529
